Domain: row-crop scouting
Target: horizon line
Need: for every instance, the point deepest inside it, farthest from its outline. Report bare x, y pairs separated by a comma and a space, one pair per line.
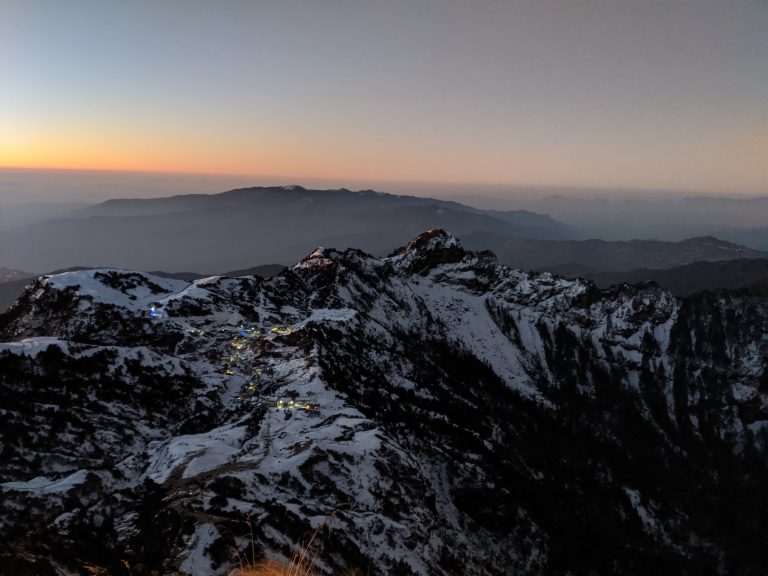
294, 181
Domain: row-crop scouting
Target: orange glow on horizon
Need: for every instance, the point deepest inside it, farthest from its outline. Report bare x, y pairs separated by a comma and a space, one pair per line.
517, 94
341, 158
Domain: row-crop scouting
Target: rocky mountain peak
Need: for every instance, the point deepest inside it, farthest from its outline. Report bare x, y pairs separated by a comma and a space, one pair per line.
427, 250
430, 241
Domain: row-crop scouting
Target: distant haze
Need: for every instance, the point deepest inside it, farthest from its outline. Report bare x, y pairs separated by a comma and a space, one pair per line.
20, 186
30, 196
245, 227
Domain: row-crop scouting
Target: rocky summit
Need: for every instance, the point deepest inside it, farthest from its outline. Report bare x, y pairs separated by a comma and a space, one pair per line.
431, 412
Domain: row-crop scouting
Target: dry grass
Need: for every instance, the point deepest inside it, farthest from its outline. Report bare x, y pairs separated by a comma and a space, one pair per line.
302, 562
272, 568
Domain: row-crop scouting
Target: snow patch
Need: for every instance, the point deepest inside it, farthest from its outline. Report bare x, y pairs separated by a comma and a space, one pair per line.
197, 563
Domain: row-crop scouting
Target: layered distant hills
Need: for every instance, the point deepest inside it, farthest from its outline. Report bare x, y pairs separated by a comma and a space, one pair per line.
747, 274
620, 215
579, 257
241, 228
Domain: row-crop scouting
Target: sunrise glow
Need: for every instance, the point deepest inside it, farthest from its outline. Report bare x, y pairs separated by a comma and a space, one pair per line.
527, 93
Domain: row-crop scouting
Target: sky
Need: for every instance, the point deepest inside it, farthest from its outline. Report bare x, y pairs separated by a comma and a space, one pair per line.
657, 94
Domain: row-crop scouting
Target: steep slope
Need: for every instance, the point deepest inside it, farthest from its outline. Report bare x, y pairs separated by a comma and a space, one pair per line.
442, 413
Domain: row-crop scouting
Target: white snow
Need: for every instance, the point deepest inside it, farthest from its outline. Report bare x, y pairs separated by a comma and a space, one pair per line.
46, 485
196, 453
33, 346
89, 285
741, 392
197, 563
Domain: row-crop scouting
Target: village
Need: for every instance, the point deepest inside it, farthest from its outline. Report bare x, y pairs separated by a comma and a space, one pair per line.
241, 360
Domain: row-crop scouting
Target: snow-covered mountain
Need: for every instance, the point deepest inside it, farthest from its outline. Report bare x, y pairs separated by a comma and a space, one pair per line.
432, 412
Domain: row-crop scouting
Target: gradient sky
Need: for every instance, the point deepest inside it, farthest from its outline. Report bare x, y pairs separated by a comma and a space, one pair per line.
635, 93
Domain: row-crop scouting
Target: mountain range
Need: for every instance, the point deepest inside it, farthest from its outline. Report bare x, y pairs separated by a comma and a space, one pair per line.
624, 214
746, 274
587, 256
212, 233
246, 227
428, 412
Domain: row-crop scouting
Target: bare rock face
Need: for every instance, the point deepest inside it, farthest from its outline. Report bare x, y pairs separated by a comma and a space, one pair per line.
432, 412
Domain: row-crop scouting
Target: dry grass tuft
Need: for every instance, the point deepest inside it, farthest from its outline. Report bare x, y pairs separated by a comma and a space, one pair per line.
300, 565
302, 562
272, 568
